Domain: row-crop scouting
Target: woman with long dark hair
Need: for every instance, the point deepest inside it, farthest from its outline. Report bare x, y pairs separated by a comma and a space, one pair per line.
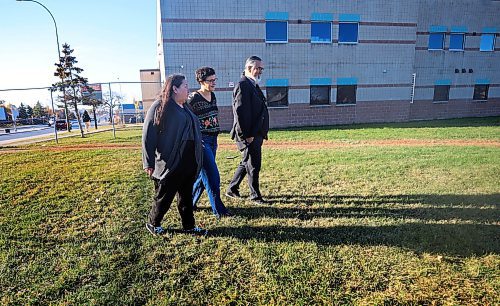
204, 105
172, 154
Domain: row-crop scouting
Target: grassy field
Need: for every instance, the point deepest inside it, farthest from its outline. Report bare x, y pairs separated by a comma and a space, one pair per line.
373, 222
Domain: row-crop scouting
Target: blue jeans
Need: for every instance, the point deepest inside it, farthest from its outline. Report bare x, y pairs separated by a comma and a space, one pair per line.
209, 177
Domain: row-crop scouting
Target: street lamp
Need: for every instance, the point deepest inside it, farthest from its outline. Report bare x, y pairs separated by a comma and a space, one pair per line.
58, 57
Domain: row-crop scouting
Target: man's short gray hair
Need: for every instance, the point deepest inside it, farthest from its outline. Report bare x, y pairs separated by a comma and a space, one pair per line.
250, 62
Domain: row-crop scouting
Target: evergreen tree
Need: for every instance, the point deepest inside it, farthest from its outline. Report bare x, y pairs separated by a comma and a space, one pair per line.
22, 111
29, 111
39, 111
71, 82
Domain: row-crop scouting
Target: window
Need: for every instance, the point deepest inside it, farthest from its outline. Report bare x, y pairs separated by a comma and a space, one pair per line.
276, 27
441, 93
320, 94
277, 92
487, 42
348, 28
321, 32
346, 94
348, 33
436, 41
457, 41
481, 92
277, 96
436, 37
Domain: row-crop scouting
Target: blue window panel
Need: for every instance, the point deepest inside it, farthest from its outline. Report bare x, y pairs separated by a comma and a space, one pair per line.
322, 17
438, 29
321, 32
276, 16
349, 18
347, 81
436, 41
487, 42
443, 82
277, 83
457, 41
490, 30
348, 32
458, 30
483, 82
320, 81
276, 31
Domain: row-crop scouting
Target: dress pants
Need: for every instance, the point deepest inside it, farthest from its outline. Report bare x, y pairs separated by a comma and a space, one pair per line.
250, 165
179, 182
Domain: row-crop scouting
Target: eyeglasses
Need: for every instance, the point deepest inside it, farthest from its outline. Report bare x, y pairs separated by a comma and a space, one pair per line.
260, 68
211, 81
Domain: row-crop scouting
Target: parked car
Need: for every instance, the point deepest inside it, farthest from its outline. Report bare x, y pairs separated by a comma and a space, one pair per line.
62, 125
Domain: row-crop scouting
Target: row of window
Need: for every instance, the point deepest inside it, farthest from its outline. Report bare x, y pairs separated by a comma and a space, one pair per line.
318, 94
321, 28
442, 92
457, 36
321, 32
277, 96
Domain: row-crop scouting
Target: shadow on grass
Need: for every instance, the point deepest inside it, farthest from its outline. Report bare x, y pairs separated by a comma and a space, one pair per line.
430, 207
447, 239
472, 238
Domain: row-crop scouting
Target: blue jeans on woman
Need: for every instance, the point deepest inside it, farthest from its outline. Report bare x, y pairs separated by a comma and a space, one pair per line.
209, 177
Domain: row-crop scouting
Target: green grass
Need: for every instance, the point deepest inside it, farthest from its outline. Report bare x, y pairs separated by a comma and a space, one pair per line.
377, 225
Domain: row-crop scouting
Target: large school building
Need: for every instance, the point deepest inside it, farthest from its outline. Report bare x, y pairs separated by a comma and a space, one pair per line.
339, 62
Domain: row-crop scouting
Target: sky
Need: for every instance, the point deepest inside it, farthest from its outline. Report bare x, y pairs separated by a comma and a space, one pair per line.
112, 39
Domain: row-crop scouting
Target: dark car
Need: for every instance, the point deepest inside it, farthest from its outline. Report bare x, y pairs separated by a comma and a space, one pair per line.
62, 125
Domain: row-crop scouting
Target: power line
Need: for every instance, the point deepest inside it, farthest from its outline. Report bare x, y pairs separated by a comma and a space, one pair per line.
49, 87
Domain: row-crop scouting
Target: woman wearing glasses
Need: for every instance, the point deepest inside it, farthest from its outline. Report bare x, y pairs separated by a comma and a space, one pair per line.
204, 105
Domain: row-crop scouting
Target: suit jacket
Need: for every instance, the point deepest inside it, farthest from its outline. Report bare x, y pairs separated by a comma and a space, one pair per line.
251, 117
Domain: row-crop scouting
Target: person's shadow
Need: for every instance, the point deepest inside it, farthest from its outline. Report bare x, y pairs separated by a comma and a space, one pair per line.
447, 224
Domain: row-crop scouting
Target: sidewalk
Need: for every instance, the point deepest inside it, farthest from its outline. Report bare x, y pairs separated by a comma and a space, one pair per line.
51, 137
23, 129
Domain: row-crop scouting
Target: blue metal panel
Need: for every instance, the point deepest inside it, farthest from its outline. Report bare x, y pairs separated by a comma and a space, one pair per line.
458, 29
128, 106
438, 29
483, 82
320, 81
277, 82
276, 16
321, 17
443, 82
347, 81
490, 30
349, 18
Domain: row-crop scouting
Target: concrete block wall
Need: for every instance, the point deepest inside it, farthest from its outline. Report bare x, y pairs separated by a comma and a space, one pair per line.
392, 39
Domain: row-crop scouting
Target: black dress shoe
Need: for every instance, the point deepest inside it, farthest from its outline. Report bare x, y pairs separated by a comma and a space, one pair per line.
233, 194
260, 201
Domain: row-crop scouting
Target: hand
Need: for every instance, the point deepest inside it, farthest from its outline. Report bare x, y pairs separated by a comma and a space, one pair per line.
249, 140
149, 171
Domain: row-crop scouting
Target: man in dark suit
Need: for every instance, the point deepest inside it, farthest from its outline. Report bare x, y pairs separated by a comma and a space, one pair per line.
250, 127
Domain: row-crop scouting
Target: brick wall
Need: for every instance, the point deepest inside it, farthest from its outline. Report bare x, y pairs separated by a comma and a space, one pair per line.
426, 110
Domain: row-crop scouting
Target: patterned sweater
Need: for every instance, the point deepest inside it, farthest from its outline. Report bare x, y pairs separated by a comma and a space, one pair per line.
207, 112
